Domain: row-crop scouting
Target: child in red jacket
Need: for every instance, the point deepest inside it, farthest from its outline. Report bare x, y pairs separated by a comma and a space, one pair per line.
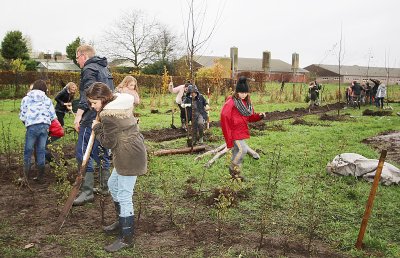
56, 131
236, 113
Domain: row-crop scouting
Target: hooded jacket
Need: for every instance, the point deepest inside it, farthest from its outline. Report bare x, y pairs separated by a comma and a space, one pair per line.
381, 92
234, 124
94, 70
199, 102
119, 132
36, 108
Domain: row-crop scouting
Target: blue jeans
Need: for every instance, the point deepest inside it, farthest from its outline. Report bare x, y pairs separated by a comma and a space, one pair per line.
99, 153
36, 136
121, 189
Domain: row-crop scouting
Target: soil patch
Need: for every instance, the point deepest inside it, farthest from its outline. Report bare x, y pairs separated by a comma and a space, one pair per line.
300, 121
167, 134
33, 220
389, 141
369, 112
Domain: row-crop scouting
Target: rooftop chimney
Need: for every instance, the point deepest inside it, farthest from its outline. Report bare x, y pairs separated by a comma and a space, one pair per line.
234, 60
266, 61
295, 61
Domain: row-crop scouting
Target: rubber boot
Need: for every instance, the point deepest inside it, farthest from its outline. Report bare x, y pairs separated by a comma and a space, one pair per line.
114, 227
86, 194
40, 175
105, 175
27, 172
126, 235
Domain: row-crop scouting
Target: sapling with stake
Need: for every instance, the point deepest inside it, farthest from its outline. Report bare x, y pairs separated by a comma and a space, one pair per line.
269, 197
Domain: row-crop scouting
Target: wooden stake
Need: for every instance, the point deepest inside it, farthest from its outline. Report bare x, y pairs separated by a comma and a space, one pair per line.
370, 201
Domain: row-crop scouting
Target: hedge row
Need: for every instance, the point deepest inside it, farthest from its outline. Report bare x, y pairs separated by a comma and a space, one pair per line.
15, 85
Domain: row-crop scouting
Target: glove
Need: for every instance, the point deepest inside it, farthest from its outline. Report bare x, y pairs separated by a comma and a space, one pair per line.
185, 105
207, 107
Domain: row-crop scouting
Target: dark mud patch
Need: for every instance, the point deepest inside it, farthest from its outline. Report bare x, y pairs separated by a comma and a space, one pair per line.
227, 195
389, 141
165, 134
168, 134
300, 121
369, 112
31, 217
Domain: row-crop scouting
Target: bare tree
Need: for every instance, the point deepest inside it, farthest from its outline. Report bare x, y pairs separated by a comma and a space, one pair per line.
130, 38
164, 44
196, 34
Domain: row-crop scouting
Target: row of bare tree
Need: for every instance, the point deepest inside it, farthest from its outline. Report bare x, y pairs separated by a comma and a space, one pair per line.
142, 40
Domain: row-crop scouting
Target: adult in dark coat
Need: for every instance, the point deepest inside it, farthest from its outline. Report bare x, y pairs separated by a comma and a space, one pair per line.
375, 89
357, 89
94, 69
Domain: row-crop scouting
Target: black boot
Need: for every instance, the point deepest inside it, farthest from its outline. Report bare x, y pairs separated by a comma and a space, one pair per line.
126, 235
40, 176
113, 228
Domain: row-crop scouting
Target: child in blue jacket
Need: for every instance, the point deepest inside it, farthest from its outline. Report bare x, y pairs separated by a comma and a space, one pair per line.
37, 112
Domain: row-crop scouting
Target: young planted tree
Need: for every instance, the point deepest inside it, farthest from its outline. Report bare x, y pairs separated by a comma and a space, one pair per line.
165, 82
340, 60
196, 34
270, 195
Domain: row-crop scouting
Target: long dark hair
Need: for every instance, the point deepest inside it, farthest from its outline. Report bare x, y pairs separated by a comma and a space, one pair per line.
247, 98
100, 91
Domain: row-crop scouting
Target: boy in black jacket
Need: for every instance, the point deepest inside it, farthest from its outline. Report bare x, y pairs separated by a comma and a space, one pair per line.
196, 102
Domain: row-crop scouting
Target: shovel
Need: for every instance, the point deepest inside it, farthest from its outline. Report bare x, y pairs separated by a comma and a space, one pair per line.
78, 182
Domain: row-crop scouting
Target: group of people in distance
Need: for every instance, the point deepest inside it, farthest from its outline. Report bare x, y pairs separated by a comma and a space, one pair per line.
357, 94
109, 114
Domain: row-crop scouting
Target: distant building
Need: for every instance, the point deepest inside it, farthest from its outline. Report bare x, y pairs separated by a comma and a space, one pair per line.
122, 66
330, 73
50, 65
274, 69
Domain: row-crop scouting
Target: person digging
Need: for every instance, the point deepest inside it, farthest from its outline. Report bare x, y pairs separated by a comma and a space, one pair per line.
196, 107
236, 113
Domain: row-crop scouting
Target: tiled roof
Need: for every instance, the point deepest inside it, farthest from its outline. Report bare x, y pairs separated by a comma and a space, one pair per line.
58, 66
250, 64
361, 70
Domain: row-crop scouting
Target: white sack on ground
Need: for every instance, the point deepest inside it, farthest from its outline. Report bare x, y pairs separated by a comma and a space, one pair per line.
353, 164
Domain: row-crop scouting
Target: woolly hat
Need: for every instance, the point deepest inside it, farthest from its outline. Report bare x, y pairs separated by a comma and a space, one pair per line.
192, 88
242, 85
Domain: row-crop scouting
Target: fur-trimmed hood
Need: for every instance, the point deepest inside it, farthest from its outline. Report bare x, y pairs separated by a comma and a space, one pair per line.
120, 107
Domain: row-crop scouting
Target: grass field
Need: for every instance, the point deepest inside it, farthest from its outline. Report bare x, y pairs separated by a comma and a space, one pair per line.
288, 192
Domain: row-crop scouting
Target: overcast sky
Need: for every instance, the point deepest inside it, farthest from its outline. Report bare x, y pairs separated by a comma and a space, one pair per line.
312, 28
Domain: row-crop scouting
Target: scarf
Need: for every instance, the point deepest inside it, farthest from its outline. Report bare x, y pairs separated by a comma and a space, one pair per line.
244, 110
